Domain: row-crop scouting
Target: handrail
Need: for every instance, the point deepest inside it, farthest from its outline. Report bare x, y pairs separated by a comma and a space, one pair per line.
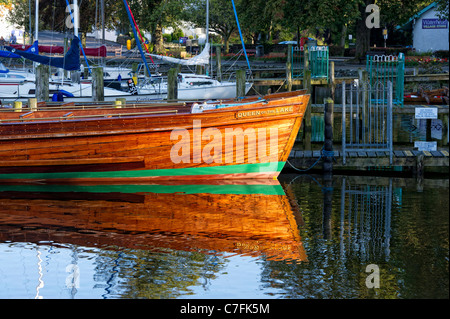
98, 106
90, 116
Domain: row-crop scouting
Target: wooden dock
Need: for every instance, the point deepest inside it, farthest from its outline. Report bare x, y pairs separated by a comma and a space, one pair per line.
407, 160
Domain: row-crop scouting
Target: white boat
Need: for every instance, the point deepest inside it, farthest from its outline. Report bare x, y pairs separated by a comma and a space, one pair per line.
192, 87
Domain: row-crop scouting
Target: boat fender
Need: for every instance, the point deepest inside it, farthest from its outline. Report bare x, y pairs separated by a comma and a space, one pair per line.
65, 93
132, 87
57, 97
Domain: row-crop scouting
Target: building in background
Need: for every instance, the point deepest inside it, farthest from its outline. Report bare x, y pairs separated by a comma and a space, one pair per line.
429, 32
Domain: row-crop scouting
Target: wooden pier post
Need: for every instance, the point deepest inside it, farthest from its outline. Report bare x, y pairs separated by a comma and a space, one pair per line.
32, 104
331, 84
328, 145
327, 191
219, 63
289, 68
307, 130
240, 83
172, 84
305, 58
42, 78
98, 91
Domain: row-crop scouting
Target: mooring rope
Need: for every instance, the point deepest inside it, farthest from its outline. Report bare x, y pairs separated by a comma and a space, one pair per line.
323, 153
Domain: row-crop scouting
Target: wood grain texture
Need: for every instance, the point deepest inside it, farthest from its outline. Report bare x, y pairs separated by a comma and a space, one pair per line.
103, 139
253, 224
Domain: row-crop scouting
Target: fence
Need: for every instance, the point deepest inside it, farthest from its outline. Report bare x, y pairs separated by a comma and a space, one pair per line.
384, 68
367, 118
366, 218
298, 62
318, 59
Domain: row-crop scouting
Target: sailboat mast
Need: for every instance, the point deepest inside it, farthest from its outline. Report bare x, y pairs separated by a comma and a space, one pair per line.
208, 67
36, 21
207, 21
75, 18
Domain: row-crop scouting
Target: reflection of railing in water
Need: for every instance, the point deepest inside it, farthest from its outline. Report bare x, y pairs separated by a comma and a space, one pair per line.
366, 220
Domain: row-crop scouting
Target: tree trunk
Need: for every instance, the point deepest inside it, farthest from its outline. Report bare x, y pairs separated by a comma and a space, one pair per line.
362, 31
343, 35
159, 43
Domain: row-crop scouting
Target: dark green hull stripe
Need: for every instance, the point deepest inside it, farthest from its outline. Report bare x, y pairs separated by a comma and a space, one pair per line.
275, 189
191, 171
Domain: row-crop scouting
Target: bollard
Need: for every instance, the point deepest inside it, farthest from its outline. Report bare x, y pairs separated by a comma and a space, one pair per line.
117, 104
122, 100
17, 106
32, 104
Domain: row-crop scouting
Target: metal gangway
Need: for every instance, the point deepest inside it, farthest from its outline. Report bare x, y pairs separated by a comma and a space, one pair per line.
367, 118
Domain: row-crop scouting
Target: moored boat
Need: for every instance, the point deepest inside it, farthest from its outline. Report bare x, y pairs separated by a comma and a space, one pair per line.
234, 139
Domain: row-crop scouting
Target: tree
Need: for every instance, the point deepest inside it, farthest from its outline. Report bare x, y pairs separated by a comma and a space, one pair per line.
154, 15
221, 17
53, 15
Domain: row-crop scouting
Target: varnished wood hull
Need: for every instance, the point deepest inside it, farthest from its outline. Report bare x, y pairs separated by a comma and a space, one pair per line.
241, 218
247, 139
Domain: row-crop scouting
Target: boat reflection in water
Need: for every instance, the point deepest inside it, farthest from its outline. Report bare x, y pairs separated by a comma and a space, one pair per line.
252, 218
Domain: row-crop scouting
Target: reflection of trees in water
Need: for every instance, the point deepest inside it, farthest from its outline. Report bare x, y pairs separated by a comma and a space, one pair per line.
165, 274
372, 221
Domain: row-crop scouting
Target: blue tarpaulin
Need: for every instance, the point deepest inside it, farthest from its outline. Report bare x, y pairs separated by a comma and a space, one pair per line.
8, 54
70, 61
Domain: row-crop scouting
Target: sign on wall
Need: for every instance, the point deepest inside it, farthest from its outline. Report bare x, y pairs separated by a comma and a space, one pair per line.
434, 24
426, 113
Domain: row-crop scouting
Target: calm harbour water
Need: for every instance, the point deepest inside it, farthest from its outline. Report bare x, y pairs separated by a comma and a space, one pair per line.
303, 238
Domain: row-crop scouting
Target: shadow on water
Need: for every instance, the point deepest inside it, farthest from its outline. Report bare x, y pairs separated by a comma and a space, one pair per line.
302, 237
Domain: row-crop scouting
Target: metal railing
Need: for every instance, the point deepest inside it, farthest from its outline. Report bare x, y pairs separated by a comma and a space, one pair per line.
384, 68
367, 118
318, 61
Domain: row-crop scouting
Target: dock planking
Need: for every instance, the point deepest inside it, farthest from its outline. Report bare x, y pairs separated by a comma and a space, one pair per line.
363, 160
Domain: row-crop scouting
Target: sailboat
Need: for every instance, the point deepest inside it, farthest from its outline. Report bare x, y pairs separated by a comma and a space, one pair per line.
191, 86
19, 87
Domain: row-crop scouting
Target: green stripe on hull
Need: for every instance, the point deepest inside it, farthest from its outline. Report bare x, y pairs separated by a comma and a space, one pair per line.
276, 189
191, 171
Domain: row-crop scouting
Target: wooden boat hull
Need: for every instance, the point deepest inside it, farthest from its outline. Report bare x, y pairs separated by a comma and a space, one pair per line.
244, 140
233, 218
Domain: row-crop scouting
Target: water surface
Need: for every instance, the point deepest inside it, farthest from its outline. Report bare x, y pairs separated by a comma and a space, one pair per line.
304, 237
